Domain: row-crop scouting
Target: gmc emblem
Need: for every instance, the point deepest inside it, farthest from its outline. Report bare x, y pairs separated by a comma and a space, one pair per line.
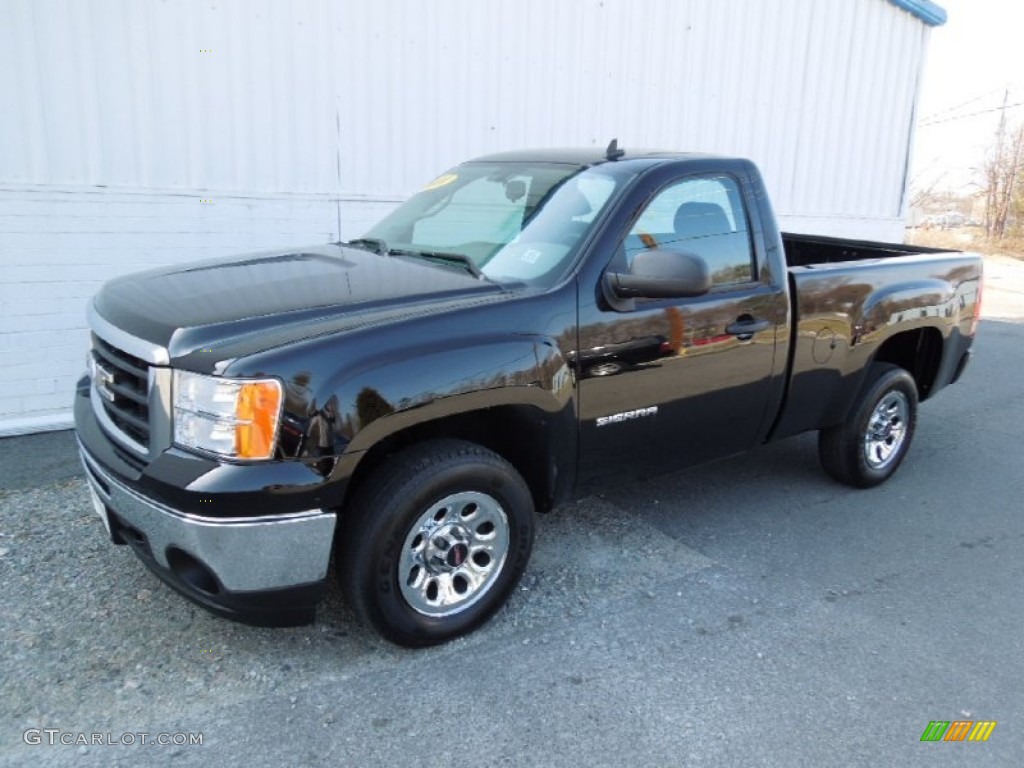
103, 379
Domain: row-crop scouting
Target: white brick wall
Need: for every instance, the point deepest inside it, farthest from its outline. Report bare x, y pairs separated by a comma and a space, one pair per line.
57, 247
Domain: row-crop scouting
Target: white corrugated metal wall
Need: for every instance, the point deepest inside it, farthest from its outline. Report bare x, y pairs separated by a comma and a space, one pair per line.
137, 134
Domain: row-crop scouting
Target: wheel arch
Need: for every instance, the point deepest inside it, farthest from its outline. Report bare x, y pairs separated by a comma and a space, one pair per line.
540, 444
919, 352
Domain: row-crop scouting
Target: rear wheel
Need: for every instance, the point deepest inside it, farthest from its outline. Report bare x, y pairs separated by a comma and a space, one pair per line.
435, 541
869, 447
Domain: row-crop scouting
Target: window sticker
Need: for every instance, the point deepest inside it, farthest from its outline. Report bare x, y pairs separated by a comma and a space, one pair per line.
441, 181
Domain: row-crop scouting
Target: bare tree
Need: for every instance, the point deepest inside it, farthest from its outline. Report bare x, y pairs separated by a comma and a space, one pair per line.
925, 192
1004, 179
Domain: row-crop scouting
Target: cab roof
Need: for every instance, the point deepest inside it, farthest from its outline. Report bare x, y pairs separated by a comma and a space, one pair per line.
584, 155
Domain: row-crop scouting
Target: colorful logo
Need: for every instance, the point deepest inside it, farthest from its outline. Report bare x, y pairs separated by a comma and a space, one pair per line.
958, 730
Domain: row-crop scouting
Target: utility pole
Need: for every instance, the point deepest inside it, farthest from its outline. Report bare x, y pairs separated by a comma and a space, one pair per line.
1002, 124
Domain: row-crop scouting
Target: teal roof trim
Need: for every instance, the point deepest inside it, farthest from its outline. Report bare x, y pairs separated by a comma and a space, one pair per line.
925, 10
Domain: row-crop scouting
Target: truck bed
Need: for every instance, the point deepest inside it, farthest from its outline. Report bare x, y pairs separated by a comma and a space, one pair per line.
808, 250
855, 302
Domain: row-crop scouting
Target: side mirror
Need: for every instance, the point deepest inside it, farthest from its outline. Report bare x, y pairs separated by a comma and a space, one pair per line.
658, 274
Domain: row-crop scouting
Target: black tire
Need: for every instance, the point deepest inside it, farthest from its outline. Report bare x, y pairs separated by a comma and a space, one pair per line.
395, 504
844, 450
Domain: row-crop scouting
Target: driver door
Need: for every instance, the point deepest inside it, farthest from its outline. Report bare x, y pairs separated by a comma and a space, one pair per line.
666, 383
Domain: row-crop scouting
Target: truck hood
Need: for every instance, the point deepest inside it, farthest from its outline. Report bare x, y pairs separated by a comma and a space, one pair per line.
239, 305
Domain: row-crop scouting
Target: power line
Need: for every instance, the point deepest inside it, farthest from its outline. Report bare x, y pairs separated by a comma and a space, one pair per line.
944, 112
970, 114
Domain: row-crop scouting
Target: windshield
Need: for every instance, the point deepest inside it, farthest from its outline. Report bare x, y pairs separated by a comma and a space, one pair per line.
515, 221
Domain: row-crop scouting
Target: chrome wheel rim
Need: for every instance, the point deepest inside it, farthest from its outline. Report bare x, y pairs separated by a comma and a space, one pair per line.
887, 430
453, 553
605, 369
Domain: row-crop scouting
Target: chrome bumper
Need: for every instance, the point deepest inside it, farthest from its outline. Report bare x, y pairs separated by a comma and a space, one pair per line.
245, 554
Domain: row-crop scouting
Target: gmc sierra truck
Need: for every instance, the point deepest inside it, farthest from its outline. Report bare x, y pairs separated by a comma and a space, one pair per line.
527, 327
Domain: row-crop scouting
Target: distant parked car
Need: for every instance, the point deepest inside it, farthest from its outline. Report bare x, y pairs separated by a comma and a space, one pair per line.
948, 220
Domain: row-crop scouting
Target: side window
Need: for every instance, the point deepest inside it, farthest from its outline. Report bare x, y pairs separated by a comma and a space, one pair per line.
705, 216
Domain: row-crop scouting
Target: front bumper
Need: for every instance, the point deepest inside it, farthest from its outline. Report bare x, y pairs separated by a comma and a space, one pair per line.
267, 570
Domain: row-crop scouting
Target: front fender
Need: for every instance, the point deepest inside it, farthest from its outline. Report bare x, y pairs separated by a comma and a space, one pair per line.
362, 405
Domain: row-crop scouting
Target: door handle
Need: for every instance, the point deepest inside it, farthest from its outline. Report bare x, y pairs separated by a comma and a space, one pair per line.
746, 326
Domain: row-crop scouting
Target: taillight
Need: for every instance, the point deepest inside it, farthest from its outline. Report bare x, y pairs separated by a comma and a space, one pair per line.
977, 308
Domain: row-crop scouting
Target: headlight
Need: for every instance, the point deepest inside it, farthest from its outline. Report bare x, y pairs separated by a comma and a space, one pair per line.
236, 418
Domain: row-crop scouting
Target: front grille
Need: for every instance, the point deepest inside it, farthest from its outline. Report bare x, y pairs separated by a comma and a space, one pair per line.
121, 384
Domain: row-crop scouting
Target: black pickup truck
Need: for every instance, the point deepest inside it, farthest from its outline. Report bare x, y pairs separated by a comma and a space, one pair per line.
527, 327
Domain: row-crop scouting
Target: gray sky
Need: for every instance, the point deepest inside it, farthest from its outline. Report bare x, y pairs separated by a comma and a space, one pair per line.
972, 60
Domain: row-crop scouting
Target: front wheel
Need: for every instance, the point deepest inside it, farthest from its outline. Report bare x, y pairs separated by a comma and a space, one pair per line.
435, 541
868, 448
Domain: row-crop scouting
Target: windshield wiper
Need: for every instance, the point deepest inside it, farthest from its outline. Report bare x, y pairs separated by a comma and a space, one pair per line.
452, 258
377, 245
371, 243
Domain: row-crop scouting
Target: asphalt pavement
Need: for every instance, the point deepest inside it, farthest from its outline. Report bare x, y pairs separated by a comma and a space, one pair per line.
747, 613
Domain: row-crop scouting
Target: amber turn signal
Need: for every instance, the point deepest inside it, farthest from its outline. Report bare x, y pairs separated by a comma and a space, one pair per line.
257, 410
